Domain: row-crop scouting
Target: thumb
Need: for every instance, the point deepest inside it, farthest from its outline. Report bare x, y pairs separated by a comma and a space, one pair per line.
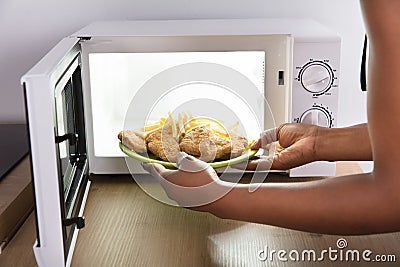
156, 170
267, 137
189, 163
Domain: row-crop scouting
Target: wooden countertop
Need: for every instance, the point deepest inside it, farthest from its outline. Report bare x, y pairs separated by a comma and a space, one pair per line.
16, 200
125, 227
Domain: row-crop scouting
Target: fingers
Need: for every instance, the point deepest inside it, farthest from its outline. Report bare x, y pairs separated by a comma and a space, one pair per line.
256, 145
266, 163
189, 163
267, 137
289, 158
262, 163
184, 161
156, 170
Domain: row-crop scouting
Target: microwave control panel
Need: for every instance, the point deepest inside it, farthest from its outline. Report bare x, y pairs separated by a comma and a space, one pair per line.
314, 95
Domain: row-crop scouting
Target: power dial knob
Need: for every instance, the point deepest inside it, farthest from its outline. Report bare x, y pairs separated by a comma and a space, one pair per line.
317, 116
316, 77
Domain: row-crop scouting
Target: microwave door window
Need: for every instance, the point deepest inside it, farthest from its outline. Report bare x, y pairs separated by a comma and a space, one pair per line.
71, 149
64, 124
53, 99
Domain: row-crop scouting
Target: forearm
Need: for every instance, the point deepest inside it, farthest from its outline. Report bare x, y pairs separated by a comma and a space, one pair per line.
382, 23
355, 204
358, 204
350, 143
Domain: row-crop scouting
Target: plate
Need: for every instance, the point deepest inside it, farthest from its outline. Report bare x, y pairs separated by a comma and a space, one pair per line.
247, 154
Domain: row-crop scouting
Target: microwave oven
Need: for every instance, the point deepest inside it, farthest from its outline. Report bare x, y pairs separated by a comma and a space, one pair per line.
108, 76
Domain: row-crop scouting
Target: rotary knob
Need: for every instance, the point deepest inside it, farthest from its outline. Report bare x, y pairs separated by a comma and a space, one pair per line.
316, 77
317, 116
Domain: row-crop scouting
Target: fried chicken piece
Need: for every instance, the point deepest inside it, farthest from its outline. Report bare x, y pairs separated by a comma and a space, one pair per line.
162, 144
203, 143
239, 144
133, 141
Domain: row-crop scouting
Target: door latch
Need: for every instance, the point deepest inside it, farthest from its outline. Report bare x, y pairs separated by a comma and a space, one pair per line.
71, 137
79, 221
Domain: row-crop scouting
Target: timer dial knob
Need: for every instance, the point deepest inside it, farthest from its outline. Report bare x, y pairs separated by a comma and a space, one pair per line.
316, 116
316, 77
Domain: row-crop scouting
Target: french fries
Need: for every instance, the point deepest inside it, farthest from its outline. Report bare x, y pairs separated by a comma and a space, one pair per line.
183, 123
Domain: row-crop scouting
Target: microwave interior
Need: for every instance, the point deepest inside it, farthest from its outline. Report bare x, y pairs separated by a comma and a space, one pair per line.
129, 81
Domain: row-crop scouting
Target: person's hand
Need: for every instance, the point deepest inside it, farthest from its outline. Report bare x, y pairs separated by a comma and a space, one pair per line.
195, 184
295, 145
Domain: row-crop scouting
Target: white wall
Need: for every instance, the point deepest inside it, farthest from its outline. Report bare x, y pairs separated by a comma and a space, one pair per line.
30, 28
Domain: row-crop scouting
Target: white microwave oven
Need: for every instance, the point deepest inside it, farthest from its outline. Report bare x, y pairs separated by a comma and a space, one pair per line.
111, 76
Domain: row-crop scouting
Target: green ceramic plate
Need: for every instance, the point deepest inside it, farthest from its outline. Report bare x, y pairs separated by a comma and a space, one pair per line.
217, 164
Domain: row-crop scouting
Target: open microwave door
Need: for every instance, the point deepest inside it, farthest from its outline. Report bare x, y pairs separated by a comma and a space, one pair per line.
54, 105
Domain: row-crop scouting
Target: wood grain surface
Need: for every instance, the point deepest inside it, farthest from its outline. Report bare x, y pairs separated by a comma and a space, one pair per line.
16, 200
19, 252
126, 227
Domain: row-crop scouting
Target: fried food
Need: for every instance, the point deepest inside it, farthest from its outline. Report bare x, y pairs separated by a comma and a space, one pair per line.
239, 144
162, 144
204, 138
132, 140
204, 143
199, 142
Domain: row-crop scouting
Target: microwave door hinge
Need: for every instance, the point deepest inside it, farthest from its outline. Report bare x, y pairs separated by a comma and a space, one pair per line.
84, 38
78, 221
71, 137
